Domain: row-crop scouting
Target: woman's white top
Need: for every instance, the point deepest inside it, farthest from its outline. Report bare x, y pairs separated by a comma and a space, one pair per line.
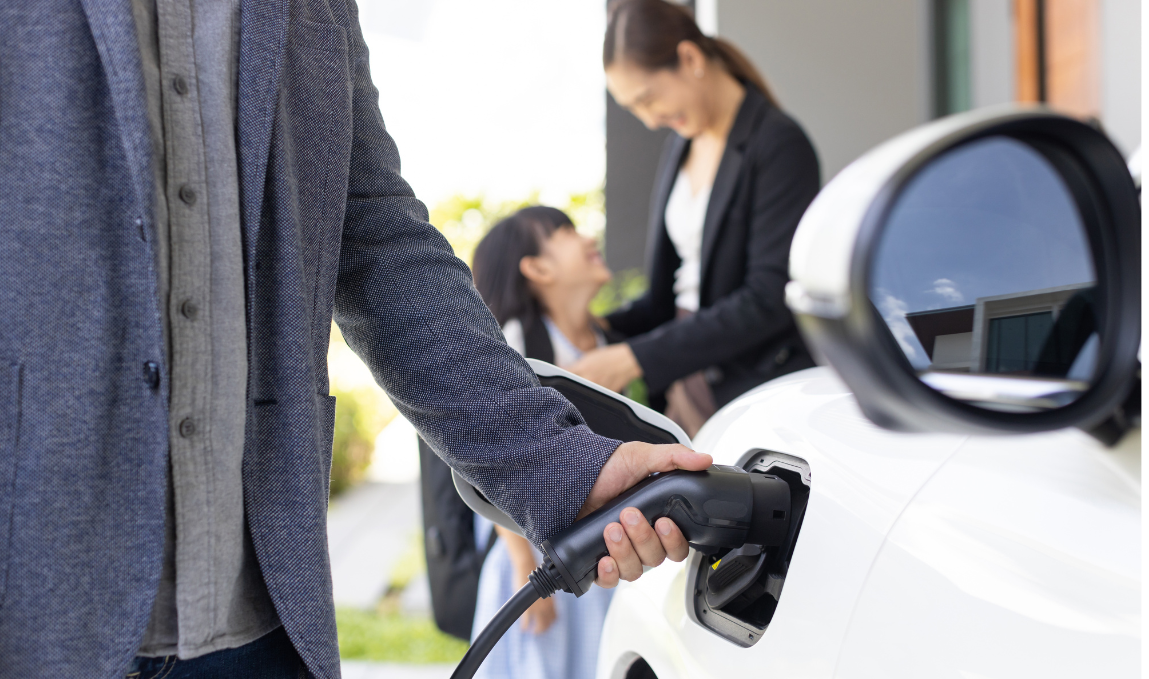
566, 353
685, 216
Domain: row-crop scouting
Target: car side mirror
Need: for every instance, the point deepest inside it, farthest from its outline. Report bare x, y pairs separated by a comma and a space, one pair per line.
606, 413
979, 274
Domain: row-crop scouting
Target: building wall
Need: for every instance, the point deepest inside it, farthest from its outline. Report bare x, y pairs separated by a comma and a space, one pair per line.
853, 73
631, 159
1121, 72
992, 52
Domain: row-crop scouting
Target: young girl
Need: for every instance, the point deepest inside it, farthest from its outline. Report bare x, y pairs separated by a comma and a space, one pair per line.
538, 276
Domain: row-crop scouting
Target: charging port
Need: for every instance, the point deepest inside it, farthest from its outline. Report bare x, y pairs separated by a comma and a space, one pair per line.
733, 593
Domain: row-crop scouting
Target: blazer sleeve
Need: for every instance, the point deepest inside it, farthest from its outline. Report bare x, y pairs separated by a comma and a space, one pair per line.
785, 179
409, 309
641, 315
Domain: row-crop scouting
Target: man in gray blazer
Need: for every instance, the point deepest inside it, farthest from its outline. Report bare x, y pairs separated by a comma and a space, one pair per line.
190, 191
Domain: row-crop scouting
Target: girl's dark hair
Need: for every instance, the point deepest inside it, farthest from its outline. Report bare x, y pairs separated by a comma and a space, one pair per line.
647, 32
496, 263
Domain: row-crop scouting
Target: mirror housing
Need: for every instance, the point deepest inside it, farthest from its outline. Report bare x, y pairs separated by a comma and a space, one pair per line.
606, 413
835, 245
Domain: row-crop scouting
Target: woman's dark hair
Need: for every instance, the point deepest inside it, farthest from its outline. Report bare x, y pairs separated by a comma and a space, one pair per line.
647, 32
496, 264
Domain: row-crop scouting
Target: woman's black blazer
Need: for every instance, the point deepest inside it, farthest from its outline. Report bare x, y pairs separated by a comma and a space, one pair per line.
743, 334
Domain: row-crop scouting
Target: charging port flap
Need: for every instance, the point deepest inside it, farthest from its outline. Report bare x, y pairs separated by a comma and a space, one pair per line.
733, 593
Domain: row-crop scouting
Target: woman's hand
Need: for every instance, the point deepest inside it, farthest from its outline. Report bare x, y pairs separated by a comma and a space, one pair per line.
613, 367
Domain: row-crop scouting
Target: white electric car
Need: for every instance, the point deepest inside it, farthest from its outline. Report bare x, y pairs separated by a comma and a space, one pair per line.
965, 471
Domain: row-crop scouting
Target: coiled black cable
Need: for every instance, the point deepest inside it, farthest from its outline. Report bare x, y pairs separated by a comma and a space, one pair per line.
541, 584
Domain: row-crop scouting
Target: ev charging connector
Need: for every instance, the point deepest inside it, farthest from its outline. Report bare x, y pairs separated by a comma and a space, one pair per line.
719, 508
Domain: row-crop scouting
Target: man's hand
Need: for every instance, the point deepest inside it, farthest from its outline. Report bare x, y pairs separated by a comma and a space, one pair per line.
633, 543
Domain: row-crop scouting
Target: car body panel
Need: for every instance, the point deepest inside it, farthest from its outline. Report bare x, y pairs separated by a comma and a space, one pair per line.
903, 534
1020, 557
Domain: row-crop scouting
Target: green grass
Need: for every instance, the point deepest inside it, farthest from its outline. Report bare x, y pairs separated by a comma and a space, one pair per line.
391, 637
386, 634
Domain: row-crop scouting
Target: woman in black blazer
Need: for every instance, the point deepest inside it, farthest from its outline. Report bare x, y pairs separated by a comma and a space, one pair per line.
761, 173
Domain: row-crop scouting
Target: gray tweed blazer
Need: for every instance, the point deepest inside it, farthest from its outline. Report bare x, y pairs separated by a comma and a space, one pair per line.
329, 227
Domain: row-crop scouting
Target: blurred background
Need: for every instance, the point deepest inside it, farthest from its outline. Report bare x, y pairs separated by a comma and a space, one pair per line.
501, 103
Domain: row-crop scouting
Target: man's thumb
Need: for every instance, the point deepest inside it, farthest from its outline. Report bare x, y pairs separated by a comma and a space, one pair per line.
681, 457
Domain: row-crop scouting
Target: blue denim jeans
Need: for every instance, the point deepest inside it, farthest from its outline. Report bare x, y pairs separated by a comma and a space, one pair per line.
269, 657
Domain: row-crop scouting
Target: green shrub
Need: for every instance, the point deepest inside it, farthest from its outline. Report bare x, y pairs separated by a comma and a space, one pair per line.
353, 444
362, 410
626, 286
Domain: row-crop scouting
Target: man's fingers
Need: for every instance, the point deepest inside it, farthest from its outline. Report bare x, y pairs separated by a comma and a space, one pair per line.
642, 537
618, 545
636, 550
638, 543
607, 573
672, 539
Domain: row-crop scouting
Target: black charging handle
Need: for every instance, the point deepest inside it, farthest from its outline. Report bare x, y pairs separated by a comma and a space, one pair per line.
721, 507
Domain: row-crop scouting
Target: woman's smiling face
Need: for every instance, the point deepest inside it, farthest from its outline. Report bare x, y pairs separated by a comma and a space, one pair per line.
666, 97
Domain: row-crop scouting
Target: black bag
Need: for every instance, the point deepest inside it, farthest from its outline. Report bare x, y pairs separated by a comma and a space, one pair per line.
453, 558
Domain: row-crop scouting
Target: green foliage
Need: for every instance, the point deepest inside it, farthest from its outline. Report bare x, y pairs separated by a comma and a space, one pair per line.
626, 286
391, 637
464, 220
362, 410
588, 212
353, 445
637, 392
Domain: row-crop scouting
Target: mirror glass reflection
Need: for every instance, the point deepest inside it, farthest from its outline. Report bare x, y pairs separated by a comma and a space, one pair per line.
983, 268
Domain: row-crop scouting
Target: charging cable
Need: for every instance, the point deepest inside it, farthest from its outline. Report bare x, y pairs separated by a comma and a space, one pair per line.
542, 583
720, 508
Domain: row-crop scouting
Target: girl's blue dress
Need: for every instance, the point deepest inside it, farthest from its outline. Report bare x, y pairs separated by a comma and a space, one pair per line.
567, 650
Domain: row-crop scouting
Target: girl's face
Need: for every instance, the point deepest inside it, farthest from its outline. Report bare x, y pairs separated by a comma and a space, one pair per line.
568, 260
667, 97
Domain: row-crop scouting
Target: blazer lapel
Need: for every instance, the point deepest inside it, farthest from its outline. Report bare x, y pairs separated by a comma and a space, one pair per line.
262, 37
114, 30
720, 194
729, 169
